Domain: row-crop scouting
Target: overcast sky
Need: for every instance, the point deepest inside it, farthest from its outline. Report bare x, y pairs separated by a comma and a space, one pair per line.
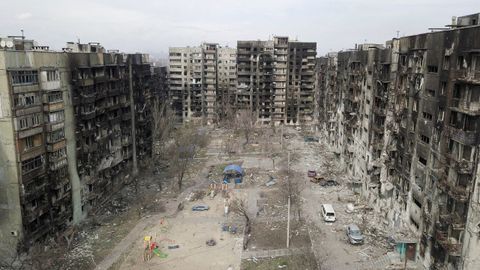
154, 25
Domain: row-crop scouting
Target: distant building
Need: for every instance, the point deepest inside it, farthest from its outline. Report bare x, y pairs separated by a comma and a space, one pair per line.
276, 80
200, 80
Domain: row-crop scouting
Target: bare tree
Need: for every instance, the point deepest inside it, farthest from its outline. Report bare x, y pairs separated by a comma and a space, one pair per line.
188, 141
229, 145
245, 122
163, 123
239, 207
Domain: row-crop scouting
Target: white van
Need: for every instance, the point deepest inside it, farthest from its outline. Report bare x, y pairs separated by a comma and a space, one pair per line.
328, 213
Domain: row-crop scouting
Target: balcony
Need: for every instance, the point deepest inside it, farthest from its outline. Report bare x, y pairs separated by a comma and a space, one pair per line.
31, 213
53, 106
100, 79
113, 92
465, 106
49, 85
88, 115
58, 163
52, 147
468, 76
49, 127
458, 193
451, 245
85, 82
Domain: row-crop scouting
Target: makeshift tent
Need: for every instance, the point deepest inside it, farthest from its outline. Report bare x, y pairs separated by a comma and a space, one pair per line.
234, 172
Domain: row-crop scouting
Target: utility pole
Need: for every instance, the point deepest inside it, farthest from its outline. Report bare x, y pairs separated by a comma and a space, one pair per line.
132, 111
281, 137
288, 222
288, 206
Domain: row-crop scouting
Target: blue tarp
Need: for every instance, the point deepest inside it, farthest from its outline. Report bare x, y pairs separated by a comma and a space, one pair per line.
232, 171
233, 168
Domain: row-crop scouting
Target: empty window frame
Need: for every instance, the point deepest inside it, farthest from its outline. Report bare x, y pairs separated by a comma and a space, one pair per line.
32, 164
20, 77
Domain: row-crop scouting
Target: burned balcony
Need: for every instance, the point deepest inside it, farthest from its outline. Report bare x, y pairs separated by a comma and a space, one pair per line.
465, 106
449, 244
88, 97
462, 129
34, 190
88, 114
458, 193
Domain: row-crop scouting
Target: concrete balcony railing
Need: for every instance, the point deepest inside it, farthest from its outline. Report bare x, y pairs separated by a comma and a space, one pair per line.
451, 245
49, 85
57, 163
468, 76
86, 115
458, 193
465, 106
85, 82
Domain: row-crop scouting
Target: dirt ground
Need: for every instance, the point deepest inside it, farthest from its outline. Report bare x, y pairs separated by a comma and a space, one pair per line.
190, 230
266, 206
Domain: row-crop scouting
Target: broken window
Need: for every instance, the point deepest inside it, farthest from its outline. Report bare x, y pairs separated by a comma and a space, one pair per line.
422, 160
29, 143
32, 164
52, 75
430, 92
446, 62
24, 77
427, 116
425, 139
55, 96
432, 69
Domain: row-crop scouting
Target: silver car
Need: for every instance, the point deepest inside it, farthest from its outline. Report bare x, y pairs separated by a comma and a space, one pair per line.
354, 234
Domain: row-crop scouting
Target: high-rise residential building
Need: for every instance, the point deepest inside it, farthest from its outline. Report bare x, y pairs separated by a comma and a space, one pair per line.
255, 78
276, 80
403, 118
68, 135
198, 81
227, 80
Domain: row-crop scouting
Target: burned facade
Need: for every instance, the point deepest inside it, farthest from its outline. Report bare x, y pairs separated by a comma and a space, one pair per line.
276, 80
406, 126
71, 122
201, 79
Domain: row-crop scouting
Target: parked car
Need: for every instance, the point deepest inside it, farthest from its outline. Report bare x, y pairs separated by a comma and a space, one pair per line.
311, 173
311, 139
328, 183
328, 213
200, 208
354, 234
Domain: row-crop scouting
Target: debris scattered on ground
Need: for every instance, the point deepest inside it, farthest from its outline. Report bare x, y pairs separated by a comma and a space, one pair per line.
211, 243
271, 182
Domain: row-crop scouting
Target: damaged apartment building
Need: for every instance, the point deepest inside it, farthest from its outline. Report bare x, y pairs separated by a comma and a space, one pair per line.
404, 118
276, 80
73, 125
202, 81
